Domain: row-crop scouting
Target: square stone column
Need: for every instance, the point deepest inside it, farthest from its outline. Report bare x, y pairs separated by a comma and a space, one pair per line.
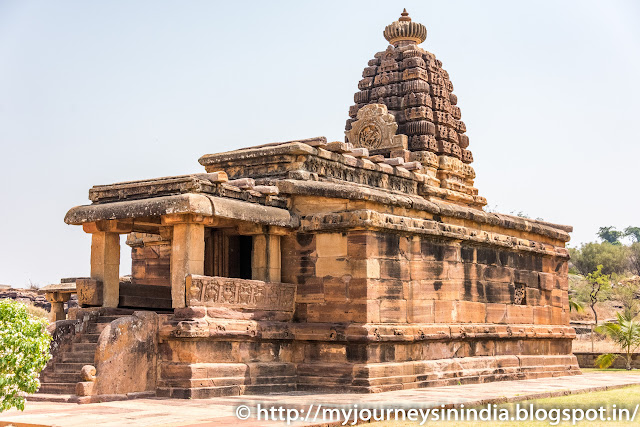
266, 258
105, 265
273, 258
259, 257
187, 257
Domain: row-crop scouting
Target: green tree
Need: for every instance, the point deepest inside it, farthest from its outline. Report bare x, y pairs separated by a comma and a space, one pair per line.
610, 234
600, 284
626, 334
613, 258
634, 258
633, 233
24, 351
626, 291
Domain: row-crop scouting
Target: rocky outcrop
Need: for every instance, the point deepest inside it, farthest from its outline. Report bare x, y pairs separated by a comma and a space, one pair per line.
26, 296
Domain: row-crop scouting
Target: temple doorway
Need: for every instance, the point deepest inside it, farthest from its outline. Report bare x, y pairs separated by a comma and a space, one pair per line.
227, 254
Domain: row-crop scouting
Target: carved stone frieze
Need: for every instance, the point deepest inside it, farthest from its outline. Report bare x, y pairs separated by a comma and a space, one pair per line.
239, 293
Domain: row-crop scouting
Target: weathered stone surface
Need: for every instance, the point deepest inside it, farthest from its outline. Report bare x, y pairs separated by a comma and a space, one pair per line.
126, 355
338, 147
84, 388
89, 292
374, 129
88, 373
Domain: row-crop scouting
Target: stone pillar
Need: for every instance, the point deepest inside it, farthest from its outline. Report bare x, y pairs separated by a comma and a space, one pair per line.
105, 265
259, 257
266, 259
273, 258
187, 257
57, 301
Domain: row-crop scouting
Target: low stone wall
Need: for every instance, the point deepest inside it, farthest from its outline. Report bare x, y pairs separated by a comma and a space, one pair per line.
587, 360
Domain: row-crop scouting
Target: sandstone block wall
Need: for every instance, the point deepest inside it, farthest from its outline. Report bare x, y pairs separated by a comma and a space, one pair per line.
150, 264
377, 277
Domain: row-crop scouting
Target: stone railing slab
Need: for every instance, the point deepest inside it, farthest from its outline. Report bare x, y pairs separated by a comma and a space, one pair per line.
239, 293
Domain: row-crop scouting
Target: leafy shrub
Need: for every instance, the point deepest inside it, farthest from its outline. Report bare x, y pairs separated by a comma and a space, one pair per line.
24, 352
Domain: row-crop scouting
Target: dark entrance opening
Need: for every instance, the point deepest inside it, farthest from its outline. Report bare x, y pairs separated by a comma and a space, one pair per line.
227, 255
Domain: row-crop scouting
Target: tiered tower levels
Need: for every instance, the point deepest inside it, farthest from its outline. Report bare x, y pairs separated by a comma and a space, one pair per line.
416, 90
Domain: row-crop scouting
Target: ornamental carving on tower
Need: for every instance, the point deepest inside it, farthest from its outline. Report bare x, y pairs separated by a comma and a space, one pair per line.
374, 128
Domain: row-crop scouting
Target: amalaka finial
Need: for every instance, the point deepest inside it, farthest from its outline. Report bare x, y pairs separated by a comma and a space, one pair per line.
403, 31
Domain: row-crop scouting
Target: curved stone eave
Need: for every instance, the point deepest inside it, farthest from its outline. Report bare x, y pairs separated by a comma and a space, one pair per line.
190, 203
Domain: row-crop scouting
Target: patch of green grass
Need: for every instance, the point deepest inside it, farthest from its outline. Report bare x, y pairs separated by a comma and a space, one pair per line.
627, 397
610, 371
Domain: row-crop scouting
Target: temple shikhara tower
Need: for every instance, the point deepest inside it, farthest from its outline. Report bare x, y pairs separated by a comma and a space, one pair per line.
359, 266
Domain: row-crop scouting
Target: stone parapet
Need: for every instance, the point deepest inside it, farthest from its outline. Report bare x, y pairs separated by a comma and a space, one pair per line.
206, 183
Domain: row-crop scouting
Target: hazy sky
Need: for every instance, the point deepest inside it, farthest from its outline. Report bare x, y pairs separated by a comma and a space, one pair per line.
101, 92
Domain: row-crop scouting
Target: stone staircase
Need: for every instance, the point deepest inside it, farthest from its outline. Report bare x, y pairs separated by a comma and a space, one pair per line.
62, 373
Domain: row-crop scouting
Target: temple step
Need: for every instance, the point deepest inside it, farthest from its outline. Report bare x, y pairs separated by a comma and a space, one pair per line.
85, 358
62, 377
96, 328
82, 347
68, 366
89, 338
57, 388
62, 374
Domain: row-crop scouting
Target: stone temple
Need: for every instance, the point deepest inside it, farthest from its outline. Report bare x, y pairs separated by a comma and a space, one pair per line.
359, 266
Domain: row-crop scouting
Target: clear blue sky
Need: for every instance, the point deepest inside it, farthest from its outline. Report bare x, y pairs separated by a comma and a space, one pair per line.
100, 92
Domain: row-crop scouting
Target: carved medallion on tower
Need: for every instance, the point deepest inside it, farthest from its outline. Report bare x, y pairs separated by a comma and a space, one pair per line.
370, 136
375, 129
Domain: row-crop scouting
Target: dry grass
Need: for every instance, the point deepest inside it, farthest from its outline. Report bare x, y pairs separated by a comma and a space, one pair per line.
37, 312
606, 310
